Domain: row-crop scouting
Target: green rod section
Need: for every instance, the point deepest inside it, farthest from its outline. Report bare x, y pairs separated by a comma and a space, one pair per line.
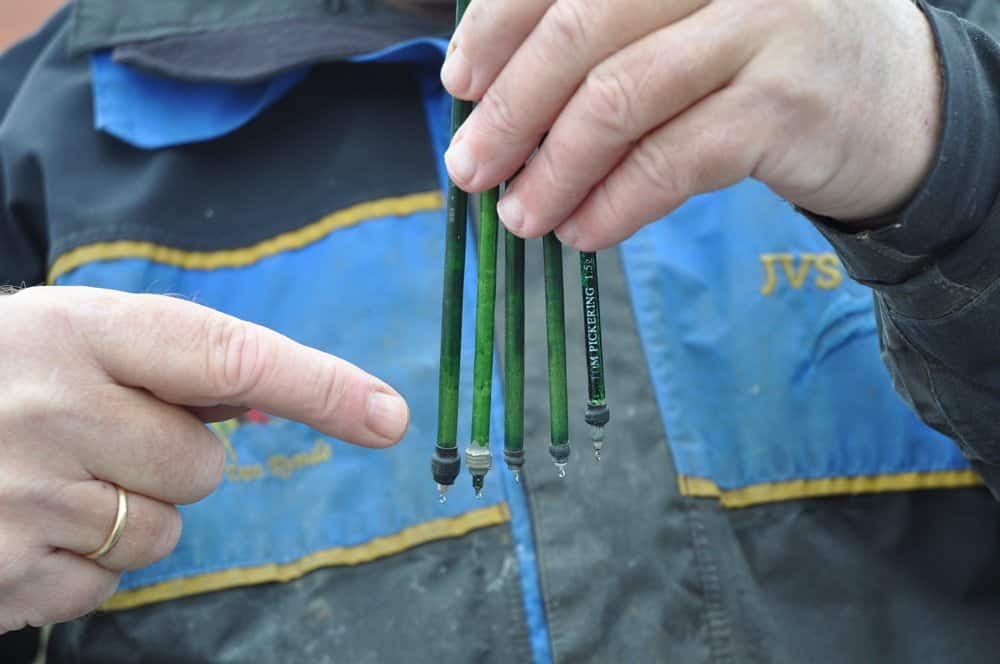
445, 463
478, 454
513, 444
486, 290
451, 312
555, 329
596, 413
592, 328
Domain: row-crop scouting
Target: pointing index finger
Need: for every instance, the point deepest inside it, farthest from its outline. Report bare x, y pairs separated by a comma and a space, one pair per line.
190, 355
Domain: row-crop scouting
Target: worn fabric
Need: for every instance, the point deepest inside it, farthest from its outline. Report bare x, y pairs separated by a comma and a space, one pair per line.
934, 267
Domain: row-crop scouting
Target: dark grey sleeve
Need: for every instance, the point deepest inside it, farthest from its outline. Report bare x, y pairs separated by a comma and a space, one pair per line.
22, 233
22, 260
935, 268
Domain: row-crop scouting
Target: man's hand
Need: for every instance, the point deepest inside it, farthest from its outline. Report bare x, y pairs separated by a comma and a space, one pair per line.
101, 388
835, 104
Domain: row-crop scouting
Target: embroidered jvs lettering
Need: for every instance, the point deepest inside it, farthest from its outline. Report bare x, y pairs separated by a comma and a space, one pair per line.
795, 269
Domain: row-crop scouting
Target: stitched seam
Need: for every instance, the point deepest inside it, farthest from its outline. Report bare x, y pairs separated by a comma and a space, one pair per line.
977, 297
888, 252
720, 642
538, 519
932, 386
519, 636
965, 445
531, 503
962, 441
142, 33
941, 280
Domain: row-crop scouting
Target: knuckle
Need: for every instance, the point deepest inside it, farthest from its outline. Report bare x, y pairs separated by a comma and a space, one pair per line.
164, 463
555, 188
608, 94
498, 114
168, 532
789, 90
233, 365
205, 476
57, 499
332, 384
153, 532
568, 22
58, 316
215, 466
685, 72
596, 232
551, 178
192, 475
728, 151
614, 207
658, 169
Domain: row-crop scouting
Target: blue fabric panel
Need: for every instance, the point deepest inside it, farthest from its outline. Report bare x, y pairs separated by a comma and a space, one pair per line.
353, 294
763, 354
151, 112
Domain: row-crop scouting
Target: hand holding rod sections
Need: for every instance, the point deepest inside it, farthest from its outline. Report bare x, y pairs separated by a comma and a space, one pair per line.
445, 462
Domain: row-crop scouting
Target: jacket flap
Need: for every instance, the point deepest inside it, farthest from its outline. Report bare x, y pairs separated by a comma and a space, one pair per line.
241, 41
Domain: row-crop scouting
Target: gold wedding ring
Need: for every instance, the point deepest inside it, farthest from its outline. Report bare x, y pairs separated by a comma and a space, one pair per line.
116, 530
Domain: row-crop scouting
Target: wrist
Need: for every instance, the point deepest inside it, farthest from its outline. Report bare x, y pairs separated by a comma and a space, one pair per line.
897, 151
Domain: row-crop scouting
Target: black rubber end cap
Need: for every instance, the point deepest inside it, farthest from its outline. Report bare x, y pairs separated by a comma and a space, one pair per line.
597, 415
559, 453
513, 458
445, 465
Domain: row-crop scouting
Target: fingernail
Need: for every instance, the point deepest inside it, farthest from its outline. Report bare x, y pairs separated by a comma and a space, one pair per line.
460, 163
510, 211
568, 233
456, 74
388, 415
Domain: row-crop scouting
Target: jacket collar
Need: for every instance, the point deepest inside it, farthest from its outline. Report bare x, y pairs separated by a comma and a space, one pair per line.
240, 41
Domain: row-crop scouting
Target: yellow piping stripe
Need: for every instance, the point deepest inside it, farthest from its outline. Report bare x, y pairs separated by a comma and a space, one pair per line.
228, 258
758, 494
348, 555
